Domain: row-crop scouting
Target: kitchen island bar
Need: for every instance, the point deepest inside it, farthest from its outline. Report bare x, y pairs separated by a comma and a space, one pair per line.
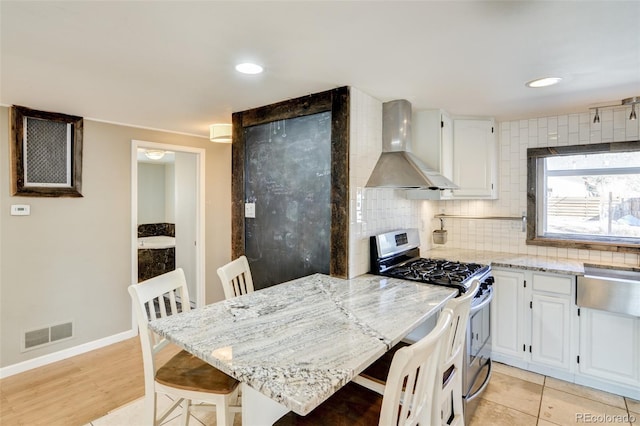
294, 344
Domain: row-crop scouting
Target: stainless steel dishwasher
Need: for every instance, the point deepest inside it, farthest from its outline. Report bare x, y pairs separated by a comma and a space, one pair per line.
613, 290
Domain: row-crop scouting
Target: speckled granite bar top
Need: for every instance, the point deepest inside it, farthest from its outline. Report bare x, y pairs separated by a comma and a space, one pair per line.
300, 341
519, 261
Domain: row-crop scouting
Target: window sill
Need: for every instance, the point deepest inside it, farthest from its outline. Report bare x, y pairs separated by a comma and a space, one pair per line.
614, 246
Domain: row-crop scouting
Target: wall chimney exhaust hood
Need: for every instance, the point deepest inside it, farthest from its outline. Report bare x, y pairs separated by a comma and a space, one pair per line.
397, 167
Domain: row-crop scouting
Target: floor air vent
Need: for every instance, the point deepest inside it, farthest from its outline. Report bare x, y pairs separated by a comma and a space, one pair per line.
43, 336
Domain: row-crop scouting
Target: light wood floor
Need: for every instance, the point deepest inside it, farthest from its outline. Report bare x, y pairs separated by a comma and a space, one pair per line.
76, 390
84, 388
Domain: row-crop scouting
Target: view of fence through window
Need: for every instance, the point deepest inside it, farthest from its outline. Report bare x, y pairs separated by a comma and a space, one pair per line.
592, 194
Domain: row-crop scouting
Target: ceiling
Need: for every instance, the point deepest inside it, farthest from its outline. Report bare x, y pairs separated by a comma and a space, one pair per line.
170, 65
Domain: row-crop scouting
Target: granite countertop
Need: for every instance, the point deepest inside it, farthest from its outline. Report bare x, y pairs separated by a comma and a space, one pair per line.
520, 261
300, 341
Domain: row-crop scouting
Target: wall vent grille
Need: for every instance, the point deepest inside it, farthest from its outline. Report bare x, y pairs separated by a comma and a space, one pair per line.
36, 338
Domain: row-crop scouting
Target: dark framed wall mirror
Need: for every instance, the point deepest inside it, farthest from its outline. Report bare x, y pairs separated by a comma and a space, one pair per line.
46, 153
290, 187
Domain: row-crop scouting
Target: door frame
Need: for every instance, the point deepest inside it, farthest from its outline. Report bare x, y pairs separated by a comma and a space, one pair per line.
199, 219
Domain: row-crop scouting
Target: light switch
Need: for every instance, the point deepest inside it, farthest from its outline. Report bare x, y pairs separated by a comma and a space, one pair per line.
20, 210
250, 210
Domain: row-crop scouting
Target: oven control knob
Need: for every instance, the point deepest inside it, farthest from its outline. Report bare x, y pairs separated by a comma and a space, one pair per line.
486, 283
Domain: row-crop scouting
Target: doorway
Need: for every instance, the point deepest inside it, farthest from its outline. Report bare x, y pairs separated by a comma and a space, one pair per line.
167, 199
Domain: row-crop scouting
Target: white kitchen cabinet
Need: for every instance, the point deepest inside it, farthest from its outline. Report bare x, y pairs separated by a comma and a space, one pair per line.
463, 150
432, 142
507, 314
532, 320
475, 159
551, 319
550, 330
610, 346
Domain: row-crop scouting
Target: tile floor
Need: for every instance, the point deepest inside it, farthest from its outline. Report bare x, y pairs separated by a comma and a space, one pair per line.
514, 397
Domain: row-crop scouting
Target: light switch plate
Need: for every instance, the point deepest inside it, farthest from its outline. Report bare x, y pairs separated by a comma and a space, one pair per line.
250, 210
20, 210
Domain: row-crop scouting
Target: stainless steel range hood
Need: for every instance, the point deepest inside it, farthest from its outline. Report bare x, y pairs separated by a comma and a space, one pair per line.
397, 167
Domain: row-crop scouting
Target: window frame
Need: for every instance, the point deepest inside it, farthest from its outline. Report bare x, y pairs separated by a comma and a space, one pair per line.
535, 180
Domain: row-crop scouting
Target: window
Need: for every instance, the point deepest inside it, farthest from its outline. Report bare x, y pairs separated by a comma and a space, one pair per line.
585, 196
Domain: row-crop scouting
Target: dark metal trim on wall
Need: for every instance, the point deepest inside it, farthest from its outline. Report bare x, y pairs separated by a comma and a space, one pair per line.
336, 101
18, 144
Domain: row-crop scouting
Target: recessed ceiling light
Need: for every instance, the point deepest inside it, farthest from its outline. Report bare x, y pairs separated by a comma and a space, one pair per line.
543, 82
249, 68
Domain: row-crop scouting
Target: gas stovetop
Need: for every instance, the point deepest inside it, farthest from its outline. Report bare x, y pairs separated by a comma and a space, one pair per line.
396, 254
437, 271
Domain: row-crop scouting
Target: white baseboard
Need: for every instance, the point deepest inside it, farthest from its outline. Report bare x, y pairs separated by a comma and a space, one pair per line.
66, 353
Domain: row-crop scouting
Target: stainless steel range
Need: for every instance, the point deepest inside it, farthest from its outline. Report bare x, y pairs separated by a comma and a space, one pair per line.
397, 254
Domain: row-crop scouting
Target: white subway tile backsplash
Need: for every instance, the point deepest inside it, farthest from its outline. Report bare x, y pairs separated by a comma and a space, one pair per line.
516, 137
376, 210
607, 130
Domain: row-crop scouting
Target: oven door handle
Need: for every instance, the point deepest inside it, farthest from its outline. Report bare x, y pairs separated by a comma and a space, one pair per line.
470, 398
482, 304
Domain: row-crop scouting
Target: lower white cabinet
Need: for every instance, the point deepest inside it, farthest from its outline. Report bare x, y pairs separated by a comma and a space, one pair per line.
536, 325
532, 319
610, 346
551, 331
507, 314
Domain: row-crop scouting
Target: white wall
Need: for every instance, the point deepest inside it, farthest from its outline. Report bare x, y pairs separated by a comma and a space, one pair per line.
152, 198
186, 203
514, 139
372, 210
170, 193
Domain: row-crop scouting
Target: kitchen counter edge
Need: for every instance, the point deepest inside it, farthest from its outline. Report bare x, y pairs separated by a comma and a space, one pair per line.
521, 261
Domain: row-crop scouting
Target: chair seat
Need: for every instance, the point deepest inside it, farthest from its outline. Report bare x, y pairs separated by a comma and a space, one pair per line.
379, 370
188, 372
352, 405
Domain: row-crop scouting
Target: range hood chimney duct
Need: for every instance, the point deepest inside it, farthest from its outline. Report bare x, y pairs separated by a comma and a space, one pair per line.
397, 167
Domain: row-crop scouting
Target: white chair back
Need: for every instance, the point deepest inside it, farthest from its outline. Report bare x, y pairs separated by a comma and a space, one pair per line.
451, 359
412, 386
157, 297
460, 306
236, 278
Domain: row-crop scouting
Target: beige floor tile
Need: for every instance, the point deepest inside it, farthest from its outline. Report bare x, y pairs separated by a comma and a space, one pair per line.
491, 414
586, 392
633, 405
518, 373
545, 423
564, 409
514, 393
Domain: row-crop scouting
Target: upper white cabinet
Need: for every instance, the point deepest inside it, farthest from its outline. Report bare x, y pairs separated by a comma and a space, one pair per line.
463, 150
432, 142
475, 159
